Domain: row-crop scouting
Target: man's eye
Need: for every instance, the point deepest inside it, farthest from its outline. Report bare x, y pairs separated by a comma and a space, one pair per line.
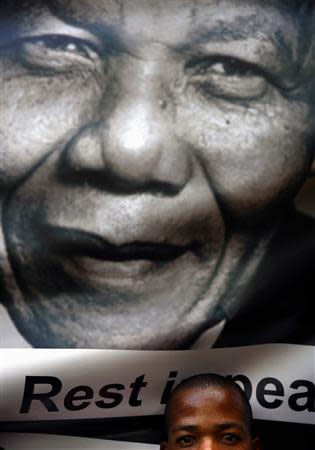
56, 52
185, 441
228, 78
231, 438
229, 68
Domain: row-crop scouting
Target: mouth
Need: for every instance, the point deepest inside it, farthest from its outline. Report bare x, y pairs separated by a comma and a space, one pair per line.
97, 256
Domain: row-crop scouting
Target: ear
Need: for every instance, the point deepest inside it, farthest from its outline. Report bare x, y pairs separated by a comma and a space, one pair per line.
163, 445
257, 443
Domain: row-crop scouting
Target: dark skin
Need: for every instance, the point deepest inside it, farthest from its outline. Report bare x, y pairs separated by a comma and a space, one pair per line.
212, 418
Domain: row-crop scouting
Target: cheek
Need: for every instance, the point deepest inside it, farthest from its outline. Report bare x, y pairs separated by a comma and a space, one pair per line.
254, 157
40, 115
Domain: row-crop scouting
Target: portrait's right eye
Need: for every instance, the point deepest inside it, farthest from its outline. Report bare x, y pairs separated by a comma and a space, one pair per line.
185, 441
228, 78
57, 53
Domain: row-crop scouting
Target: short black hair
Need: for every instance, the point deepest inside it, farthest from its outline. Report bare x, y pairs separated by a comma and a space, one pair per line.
208, 380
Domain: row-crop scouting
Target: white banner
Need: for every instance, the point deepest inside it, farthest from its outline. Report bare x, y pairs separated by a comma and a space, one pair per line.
23, 441
91, 384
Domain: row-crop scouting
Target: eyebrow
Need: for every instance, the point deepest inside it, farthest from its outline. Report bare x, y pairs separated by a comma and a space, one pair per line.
240, 29
185, 428
228, 425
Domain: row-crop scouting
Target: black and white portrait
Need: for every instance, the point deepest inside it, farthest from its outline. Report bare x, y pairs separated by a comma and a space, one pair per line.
151, 153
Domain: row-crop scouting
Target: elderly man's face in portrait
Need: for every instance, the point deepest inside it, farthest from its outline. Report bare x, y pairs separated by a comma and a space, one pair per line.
150, 150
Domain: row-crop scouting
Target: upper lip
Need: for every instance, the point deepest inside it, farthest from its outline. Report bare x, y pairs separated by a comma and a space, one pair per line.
74, 242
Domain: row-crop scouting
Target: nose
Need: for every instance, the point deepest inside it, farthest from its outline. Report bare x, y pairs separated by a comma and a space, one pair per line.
208, 443
135, 147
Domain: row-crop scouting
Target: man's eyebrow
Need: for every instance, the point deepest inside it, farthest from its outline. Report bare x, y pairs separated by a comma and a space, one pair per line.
228, 425
223, 31
185, 427
240, 29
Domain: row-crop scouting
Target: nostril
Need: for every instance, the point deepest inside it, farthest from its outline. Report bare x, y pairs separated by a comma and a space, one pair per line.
84, 151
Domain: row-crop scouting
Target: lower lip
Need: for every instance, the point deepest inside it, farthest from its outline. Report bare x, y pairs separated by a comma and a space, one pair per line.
95, 268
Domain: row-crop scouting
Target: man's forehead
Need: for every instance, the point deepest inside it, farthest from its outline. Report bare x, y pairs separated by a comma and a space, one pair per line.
189, 400
177, 20
194, 396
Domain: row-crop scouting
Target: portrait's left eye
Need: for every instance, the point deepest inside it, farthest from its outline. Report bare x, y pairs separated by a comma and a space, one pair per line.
227, 78
56, 52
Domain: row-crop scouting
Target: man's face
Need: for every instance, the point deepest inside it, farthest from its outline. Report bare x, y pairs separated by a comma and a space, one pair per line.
210, 418
150, 149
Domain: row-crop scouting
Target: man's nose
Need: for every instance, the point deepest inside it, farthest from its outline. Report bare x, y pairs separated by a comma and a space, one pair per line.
208, 443
135, 147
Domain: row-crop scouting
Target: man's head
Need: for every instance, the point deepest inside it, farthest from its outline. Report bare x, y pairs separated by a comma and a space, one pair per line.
150, 151
209, 412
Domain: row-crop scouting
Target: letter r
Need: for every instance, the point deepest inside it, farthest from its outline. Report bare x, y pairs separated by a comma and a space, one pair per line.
29, 394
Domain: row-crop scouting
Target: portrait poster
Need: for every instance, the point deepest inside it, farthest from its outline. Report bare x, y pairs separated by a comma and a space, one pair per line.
157, 201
